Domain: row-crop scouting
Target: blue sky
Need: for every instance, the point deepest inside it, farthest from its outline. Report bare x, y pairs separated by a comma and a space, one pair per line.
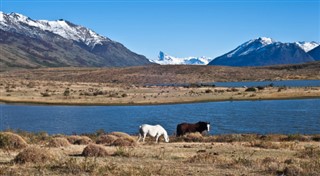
182, 28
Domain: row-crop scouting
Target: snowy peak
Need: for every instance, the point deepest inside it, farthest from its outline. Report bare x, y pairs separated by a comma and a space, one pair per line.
264, 51
307, 46
164, 59
22, 24
249, 46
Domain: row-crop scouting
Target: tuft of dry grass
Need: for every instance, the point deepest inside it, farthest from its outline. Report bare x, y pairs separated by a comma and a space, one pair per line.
35, 154
106, 139
79, 140
117, 139
265, 144
204, 157
95, 150
11, 141
58, 142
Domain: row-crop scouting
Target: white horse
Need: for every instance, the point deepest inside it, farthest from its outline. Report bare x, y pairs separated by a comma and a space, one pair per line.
154, 131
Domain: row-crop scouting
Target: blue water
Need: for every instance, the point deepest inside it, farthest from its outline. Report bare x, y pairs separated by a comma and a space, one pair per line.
263, 117
287, 83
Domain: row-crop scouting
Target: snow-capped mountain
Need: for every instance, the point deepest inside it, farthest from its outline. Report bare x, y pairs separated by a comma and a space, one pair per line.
164, 59
42, 43
22, 24
264, 51
315, 53
307, 46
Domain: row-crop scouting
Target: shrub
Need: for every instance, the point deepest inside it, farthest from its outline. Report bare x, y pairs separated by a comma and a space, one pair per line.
208, 91
58, 142
35, 154
316, 138
297, 137
106, 139
194, 137
79, 140
260, 87
11, 141
250, 89
66, 92
45, 94
116, 139
94, 150
124, 142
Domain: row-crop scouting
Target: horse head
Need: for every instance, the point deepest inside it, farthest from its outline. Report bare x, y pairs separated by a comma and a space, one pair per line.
204, 126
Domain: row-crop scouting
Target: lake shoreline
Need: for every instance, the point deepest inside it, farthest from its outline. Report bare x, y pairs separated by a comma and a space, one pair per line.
22, 102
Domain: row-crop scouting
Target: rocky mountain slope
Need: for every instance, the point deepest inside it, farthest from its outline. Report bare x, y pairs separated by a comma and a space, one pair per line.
28, 43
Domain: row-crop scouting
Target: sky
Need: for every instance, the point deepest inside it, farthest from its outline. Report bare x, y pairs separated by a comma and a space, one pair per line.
182, 28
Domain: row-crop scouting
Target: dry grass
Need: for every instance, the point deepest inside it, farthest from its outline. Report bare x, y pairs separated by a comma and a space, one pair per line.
246, 154
116, 139
58, 142
94, 150
11, 141
111, 93
35, 154
106, 139
79, 140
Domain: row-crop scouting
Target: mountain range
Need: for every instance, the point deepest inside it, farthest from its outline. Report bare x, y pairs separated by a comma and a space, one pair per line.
266, 51
28, 43
165, 59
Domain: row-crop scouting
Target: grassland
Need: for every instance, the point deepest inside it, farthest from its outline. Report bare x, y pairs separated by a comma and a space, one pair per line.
109, 86
234, 154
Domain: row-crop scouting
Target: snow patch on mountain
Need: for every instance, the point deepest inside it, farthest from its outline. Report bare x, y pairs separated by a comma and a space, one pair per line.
164, 59
307, 46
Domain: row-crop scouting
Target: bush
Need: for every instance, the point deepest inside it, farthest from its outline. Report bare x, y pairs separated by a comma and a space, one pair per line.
58, 142
45, 94
106, 139
193, 137
250, 89
79, 140
116, 139
94, 150
11, 141
35, 154
297, 137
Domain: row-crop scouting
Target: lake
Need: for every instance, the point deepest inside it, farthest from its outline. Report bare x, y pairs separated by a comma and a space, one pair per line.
263, 117
287, 83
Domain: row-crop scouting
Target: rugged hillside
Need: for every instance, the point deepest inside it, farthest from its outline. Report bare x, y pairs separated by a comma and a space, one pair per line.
262, 52
28, 43
315, 53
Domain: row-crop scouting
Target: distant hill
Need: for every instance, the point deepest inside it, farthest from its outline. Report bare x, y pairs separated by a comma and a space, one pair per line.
263, 52
315, 53
28, 43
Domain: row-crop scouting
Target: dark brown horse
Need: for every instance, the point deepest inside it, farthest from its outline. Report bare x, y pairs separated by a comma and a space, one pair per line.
184, 128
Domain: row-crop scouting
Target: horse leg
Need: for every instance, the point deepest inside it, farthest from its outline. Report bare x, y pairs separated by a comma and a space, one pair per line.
157, 138
139, 137
144, 136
